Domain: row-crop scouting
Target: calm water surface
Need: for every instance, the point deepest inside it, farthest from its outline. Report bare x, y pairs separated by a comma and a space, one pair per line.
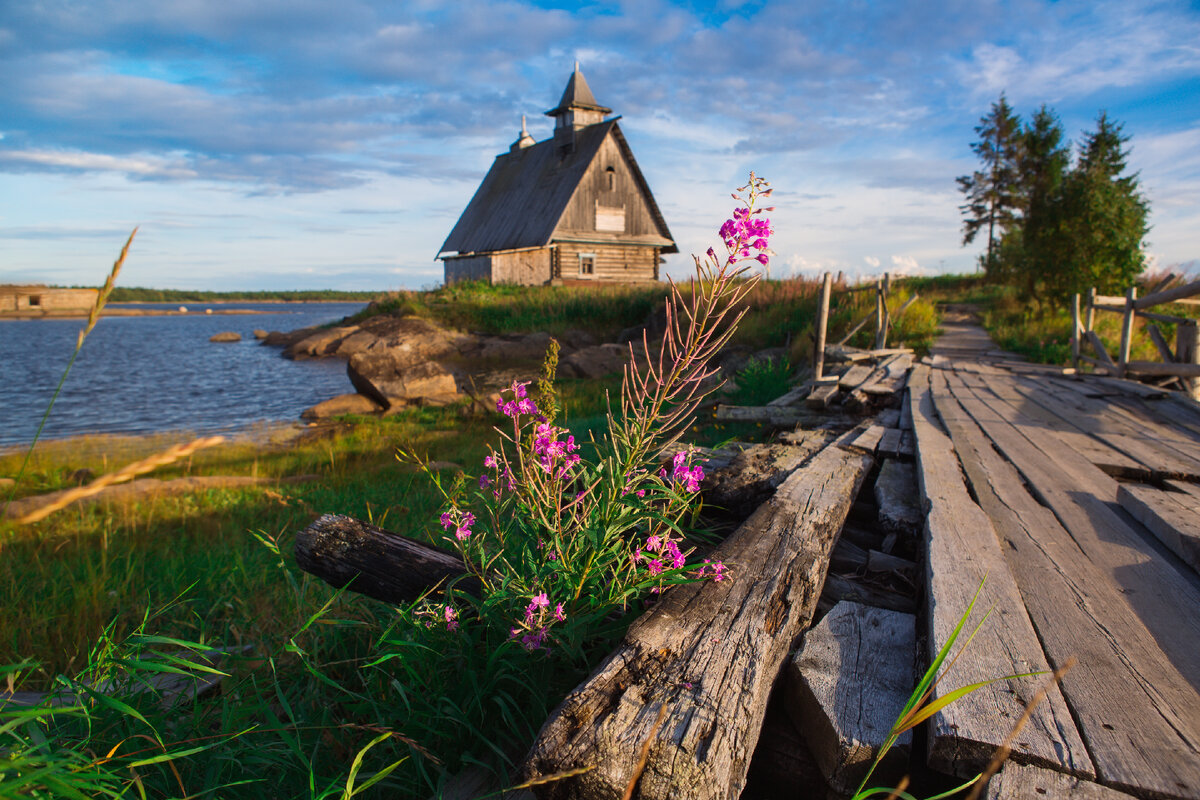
144, 374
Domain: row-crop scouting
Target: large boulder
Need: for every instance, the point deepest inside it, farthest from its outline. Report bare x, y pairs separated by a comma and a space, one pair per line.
341, 405
323, 342
595, 362
526, 347
225, 336
391, 378
287, 338
414, 339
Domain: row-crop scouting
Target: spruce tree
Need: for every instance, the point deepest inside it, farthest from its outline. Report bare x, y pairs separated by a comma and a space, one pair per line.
1043, 160
993, 193
1099, 218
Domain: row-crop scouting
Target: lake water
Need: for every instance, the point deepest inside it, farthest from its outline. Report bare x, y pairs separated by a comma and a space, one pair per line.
155, 373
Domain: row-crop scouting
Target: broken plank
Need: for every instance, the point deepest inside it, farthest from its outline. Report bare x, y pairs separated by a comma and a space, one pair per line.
821, 395
1171, 516
907, 449
1132, 705
961, 550
847, 686
677, 660
1022, 782
776, 416
867, 440
855, 377
889, 443
896, 499
757, 471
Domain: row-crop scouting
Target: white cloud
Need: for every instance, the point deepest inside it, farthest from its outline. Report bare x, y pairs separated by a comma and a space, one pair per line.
871, 261
141, 166
906, 265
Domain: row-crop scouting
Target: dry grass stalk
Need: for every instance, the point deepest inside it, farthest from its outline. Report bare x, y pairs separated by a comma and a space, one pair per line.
122, 475
1001, 754
645, 754
105, 291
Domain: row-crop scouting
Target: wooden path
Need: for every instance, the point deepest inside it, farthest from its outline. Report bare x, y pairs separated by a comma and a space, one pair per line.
1079, 500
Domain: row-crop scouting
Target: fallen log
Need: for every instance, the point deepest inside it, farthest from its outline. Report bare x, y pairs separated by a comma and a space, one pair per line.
778, 416
688, 685
350, 554
754, 473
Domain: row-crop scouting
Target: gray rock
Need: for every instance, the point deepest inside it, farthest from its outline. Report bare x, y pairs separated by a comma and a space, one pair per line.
340, 405
322, 342
595, 362
529, 347
392, 379
225, 336
260, 334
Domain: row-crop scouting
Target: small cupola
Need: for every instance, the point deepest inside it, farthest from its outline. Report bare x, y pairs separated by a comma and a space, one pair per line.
524, 140
577, 109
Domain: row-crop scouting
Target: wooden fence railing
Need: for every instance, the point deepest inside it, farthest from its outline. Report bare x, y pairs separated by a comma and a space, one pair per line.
1182, 363
880, 315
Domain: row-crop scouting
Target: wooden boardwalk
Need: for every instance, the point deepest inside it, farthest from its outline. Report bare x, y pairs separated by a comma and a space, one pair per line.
1079, 500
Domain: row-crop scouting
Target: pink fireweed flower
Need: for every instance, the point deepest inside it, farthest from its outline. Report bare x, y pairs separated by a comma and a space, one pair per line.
490, 461
484, 481
712, 569
559, 613
460, 521
451, 618
654, 566
653, 543
677, 560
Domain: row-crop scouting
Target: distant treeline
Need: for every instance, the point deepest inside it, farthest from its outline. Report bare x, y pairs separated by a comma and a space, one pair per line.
137, 294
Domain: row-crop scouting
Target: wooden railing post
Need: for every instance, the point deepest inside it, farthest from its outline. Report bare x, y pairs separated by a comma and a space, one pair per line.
881, 339
1090, 321
1187, 351
1075, 331
878, 311
1126, 330
822, 324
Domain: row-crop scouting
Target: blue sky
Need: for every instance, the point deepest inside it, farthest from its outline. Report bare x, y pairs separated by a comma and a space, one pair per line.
306, 144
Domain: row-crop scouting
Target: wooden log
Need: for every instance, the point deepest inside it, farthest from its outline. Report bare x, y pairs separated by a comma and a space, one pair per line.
1171, 516
822, 324
1126, 331
776, 416
847, 686
1174, 319
754, 473
705, 657
839, 588
1147, 737
842, 353
1164, 349
961, 549
1187, 351
1023, 782
885, 562
1169, 295
1098, 346
348, 553
793, 397
1076, 330
896, 497
847, 556
1159, 368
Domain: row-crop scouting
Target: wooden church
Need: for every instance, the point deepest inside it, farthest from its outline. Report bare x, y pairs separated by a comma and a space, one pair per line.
573, 209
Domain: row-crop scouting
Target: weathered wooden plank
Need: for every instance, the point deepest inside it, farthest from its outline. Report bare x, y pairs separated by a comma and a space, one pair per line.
793, 397
867, 440
778, 416
1023, 782
708, 653
847, 686
1082, 498
1101, 353
961, 550
1136, 712
822, 395
855, 377
889, 443
1171, 516
896, 498
754, 473
907, 449
839, 588
888, 418
1168, 295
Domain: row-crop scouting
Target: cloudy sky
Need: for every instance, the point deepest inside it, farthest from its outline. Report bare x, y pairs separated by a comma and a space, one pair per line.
313, 144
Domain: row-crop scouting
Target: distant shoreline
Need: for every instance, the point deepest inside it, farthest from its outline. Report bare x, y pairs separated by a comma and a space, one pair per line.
129, 312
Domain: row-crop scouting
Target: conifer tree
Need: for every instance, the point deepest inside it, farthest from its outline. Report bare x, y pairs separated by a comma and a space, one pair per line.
1043, 159
993, 192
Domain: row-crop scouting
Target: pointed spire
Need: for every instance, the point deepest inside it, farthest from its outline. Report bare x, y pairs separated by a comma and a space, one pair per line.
577, 96
524, 140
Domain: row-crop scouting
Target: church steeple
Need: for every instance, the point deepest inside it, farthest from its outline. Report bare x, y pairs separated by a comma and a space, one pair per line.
578, 107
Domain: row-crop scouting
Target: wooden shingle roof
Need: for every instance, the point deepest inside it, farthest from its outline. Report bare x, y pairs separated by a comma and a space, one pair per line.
523, 197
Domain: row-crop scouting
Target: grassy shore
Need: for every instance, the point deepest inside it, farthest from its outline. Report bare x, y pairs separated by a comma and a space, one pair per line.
318, 675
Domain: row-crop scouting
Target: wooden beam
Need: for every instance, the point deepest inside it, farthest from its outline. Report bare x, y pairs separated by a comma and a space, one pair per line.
1169, 295
1098, 346
1022, 782
1126, 331
847, 685
666, 691
1170, 318
1171, 516
1164, 349
1159, 368
1187, 351
822, 324
1076, 330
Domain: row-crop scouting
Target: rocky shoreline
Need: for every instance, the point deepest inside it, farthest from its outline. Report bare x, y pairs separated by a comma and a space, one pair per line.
397, 362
